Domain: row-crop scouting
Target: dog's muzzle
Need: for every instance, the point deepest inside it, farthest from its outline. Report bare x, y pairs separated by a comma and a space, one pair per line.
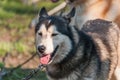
47, 59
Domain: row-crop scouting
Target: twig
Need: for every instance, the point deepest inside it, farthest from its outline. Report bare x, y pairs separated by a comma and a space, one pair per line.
24, 62
13, 69
58, 8
33, 72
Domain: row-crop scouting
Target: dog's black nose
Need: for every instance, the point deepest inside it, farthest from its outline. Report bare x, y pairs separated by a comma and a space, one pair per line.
41, 48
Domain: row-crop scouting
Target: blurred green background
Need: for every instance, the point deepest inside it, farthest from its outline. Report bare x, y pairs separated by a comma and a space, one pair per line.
17, 38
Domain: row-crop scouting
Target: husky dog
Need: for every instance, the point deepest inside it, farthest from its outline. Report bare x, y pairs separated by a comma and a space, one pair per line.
70, 54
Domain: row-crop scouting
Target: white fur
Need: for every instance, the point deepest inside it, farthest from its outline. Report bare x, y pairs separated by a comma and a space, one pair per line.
64, 46
45, 39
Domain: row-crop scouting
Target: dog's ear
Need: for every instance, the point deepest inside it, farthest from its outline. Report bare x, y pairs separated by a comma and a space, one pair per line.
70, 15
43, 12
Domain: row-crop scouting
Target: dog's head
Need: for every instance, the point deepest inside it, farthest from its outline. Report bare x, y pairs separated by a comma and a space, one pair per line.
52, 36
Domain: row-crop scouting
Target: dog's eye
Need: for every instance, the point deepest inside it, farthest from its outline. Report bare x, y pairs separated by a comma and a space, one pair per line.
54, 34
40, 34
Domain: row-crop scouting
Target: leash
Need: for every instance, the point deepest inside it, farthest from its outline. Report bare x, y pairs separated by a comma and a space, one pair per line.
35, 71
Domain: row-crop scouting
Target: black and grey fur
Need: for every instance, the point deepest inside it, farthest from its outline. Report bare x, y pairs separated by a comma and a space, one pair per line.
88, 54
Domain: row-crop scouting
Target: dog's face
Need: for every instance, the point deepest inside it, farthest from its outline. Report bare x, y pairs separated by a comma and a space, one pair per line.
51, 35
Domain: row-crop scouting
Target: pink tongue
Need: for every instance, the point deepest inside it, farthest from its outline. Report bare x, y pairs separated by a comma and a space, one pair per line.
45, 59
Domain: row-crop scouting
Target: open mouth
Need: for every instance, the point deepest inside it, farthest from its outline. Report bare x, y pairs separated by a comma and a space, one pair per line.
47, 59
